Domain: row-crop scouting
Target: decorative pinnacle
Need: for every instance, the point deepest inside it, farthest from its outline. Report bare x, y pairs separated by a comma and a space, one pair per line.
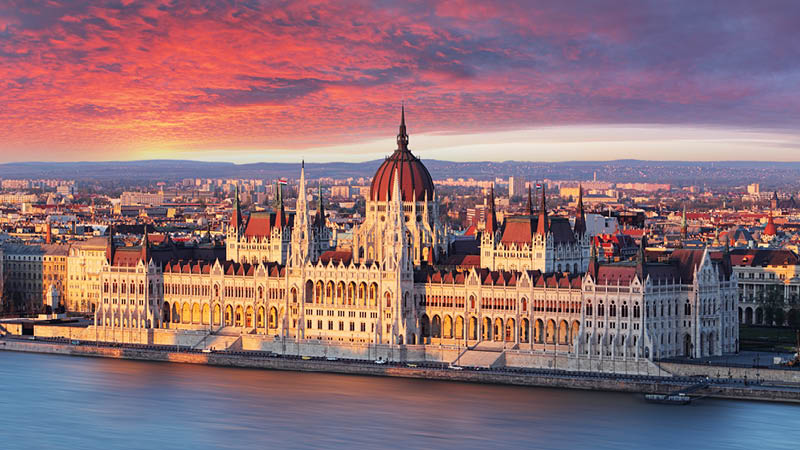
402, 136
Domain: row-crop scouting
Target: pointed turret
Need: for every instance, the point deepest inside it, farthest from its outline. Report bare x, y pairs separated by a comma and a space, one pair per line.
280, 212
580, 215
236, 219
396, 202
302, 249
145, 251
491, 218
770, 229
684, 225
110, 245
530, 202
641, 259
542, 226
301, 190
319, 220
593, 261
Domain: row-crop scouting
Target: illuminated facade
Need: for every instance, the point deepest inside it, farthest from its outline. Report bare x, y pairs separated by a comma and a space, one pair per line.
539, 289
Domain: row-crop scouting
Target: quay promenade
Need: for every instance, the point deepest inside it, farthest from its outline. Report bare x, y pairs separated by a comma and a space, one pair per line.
723, 387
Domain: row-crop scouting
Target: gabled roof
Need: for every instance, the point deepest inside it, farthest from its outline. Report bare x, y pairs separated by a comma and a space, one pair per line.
688, 260
561, 230
518, 230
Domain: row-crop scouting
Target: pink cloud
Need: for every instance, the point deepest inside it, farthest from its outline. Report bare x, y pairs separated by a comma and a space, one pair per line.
80, 78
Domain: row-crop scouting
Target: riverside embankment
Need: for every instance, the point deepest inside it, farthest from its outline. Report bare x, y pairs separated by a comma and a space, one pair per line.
518, 377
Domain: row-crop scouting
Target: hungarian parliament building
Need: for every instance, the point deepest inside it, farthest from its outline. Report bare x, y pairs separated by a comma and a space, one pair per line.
536, 287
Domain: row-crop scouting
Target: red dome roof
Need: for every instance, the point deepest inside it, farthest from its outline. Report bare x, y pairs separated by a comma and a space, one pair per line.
415, 180
770, 229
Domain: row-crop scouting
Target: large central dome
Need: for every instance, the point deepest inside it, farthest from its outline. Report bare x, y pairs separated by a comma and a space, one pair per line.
415, 180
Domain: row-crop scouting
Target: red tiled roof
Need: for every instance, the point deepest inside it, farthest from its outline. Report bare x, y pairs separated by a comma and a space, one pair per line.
615, 274
518, 230
687, 260
336, 256
763, 257
415, 180
127, 256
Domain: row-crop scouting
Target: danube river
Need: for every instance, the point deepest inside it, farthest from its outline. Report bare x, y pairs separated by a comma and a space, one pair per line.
57, 402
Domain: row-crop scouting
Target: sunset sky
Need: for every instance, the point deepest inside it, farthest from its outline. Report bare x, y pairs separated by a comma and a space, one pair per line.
247, 81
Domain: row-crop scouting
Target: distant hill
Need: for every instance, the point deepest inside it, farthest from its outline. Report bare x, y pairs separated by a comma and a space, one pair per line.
725, 173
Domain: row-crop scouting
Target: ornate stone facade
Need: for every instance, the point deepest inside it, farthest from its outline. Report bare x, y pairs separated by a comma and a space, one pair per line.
540, 288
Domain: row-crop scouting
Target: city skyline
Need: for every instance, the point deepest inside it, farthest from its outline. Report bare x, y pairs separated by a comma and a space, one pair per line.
84, 81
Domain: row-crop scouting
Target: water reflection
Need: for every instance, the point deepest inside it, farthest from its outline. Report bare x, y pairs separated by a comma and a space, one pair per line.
66, 402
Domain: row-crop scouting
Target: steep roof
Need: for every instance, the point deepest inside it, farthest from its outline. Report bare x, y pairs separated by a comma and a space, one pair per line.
518, 230
763, 257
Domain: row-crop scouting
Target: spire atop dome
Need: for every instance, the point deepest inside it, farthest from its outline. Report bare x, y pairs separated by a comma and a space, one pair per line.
415, 180
402, 136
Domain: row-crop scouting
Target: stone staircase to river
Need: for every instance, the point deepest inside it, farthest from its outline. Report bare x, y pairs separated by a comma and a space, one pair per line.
485, 355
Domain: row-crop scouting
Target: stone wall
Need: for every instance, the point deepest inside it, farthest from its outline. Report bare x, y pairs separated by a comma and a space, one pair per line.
413, 353
10, 328
750, 373
603, 384
542, 360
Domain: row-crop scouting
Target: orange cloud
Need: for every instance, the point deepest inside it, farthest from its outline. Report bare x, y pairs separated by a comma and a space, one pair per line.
92, 80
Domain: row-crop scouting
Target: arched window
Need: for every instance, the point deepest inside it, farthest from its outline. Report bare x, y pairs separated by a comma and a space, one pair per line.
588, 307
687, 308
612, 310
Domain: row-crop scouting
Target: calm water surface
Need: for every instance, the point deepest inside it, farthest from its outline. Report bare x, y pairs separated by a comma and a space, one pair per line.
55, 402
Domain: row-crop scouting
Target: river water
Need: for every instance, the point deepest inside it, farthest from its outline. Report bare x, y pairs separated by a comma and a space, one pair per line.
63, 402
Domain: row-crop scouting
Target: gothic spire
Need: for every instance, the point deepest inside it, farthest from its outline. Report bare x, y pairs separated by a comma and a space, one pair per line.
580, 215
110, 245
402, 136
320, 219
279, 204
641, 260
684, 226
236, 220
542, 227
491, 218
592, 269
530, 202
145, 252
